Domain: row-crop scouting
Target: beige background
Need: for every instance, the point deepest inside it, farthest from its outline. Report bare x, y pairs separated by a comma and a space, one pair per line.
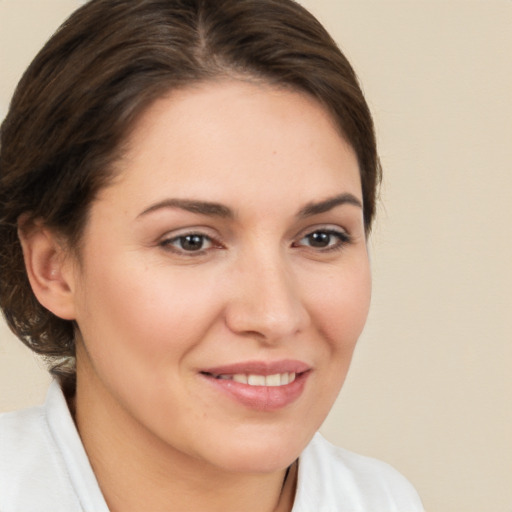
431, 384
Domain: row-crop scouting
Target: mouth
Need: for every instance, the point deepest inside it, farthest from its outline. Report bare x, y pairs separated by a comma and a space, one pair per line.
253, 379
258, 385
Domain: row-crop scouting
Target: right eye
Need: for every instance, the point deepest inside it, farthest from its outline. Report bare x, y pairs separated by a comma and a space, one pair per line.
188, 243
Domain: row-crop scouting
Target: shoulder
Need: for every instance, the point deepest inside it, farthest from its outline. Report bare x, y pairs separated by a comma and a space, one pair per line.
335, 479
32, 473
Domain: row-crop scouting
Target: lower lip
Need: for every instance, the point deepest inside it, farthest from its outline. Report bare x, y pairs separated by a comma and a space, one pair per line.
261, 398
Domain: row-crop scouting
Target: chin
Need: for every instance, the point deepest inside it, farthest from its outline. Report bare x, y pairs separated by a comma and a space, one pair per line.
264, 453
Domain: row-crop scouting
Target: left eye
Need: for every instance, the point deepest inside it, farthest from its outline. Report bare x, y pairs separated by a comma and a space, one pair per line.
324, 239
189, 243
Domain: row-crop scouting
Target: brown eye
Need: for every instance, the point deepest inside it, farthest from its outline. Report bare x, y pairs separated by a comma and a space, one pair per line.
324, 239
319, 239
193, 242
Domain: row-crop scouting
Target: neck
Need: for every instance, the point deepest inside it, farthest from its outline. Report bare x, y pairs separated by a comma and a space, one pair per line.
137, 471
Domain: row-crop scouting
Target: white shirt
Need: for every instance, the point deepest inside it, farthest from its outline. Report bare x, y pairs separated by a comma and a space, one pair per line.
44, 468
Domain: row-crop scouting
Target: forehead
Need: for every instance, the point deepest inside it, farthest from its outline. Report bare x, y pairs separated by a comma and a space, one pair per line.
225, 137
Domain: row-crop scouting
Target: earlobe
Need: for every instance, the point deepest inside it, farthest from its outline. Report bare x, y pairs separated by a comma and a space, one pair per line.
49, 268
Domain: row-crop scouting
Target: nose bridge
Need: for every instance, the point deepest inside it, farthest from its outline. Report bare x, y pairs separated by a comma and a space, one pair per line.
266, 299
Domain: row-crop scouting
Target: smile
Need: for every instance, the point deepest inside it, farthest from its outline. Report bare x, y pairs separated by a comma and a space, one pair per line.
277, 379
258, 385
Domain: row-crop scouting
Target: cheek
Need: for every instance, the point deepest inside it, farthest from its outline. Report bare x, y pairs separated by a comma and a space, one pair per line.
147, 313
338, 305
341, 305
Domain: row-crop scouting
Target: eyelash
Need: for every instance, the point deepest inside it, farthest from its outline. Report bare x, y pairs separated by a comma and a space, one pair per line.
171, 244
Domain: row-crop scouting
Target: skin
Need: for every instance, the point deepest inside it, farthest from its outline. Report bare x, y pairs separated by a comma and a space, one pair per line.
152, 315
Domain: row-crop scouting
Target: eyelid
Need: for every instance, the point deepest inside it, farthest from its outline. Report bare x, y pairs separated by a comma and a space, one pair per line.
330, 228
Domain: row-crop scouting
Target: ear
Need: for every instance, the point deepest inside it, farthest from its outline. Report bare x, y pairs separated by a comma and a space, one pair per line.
50, 268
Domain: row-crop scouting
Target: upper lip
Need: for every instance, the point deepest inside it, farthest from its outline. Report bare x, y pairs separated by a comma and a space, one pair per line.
259, 368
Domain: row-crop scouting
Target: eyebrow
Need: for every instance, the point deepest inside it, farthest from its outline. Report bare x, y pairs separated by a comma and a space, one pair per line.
190, 205
219, 210
328, 204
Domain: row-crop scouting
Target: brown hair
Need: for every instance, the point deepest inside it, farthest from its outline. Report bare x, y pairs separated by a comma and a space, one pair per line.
76, 102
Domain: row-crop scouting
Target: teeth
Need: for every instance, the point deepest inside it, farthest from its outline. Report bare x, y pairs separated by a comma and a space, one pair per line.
277, 379
256, 380
240, 377
273, 380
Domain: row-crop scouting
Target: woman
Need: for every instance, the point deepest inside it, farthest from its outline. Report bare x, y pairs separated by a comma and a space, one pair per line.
186, 189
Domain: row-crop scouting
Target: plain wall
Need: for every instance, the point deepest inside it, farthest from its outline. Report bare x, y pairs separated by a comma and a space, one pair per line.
431, 383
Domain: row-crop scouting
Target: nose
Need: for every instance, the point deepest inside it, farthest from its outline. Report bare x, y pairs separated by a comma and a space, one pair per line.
265, 300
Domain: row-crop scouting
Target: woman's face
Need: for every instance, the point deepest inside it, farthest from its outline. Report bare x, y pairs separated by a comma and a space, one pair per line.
224, 278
